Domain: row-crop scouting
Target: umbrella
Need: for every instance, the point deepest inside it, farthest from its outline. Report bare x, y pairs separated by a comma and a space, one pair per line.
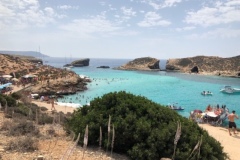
15, 79
6, 76
29, 76
5, 85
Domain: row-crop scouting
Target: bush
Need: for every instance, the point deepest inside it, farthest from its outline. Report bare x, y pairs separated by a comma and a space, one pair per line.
23, 127
11, 102
6, 125
16, 95
45, 119
23, 144
144, 130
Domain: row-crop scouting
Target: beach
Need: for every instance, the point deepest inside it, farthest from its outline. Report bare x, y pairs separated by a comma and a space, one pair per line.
231, 144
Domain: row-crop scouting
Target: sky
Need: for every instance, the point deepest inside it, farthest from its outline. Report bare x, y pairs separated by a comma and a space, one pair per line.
124, 29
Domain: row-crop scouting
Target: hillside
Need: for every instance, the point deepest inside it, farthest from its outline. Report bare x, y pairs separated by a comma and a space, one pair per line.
206, 65
25, 53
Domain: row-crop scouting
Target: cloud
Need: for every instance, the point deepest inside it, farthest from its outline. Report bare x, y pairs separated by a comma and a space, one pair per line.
152, 19
21, 14
93, 25
128, 11
220, 13
223, 33
159, 5
67, 7
185, 28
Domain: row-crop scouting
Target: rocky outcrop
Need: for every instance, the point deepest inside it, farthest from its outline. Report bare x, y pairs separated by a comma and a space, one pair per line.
144, 64
206, 65
81, 62
62, 86
36, 60
103, 67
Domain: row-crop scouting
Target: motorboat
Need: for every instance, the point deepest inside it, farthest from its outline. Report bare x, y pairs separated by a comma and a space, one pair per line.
175, 107
230, 90
206, 93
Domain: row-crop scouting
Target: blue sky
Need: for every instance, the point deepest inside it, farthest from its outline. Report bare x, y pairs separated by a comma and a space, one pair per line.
121, 28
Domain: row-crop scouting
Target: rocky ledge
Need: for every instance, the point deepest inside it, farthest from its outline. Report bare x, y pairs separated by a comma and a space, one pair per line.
70, 84
206, 65
143, 64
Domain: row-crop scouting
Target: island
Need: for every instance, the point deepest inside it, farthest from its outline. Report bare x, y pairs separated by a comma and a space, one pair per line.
143, 64
79, 63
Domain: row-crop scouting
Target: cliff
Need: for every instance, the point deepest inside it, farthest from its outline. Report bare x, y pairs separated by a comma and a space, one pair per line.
144, 64
206, 65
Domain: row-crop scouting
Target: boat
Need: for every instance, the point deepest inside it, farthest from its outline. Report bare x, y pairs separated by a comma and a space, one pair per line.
230, 90
206, 93
175, 107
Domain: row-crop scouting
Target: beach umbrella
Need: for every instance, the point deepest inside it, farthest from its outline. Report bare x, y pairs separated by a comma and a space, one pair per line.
5, 85
15, 79
6, 76
2, 86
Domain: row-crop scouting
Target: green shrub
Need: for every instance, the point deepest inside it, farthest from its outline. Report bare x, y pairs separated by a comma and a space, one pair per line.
16, 95
22, 109
143, 129
11, 102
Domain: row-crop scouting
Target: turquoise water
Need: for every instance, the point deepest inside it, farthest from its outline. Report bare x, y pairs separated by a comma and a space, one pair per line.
160, 87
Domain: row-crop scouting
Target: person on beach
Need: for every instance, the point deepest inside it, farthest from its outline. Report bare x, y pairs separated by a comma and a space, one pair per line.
53, 107
231, 123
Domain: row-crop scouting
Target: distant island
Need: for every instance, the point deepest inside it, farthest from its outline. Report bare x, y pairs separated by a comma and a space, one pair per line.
25, 53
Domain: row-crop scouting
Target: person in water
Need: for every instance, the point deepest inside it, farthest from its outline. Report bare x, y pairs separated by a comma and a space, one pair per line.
231, 123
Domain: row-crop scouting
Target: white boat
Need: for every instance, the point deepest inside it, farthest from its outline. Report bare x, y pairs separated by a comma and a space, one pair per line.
175, 107
230, 90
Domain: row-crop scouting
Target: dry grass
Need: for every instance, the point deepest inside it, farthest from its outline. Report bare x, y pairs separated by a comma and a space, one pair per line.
51, 143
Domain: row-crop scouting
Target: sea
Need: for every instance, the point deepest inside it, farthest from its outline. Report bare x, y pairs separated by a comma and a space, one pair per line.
159, 86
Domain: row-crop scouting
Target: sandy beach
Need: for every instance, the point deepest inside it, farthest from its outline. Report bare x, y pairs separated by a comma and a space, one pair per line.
231, 144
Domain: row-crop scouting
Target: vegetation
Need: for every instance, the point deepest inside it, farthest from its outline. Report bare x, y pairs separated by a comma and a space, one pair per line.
143, 129
23, 144
184, 62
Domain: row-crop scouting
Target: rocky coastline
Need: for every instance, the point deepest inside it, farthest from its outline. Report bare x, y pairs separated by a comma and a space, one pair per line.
206, 65
42, 79
143, 64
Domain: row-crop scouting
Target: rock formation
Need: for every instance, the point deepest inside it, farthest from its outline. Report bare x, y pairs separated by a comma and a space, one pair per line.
49, 80
144, 64
81, 62
206, 65
103, 67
